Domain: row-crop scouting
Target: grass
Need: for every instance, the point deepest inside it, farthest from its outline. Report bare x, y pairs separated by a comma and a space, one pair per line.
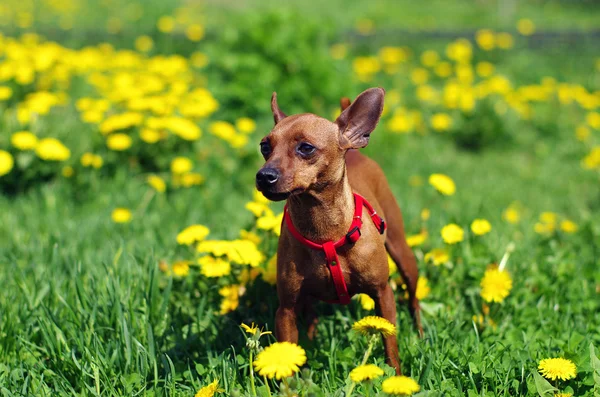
84, 309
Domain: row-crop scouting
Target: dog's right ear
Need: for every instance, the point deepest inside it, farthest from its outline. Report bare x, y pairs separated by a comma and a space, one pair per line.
359, 119
344, 103
278, 115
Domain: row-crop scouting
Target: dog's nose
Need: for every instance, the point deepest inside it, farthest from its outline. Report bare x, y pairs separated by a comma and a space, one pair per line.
267, 177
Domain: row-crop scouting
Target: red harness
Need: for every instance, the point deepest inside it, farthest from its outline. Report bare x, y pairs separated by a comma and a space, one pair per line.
330, 247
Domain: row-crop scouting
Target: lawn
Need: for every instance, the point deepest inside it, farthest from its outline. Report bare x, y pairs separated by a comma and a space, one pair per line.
123, 124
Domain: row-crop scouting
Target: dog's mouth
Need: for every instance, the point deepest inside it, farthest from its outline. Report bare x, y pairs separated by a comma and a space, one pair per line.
280, 196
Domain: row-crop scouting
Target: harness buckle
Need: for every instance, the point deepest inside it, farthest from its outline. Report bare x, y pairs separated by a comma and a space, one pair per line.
353, 235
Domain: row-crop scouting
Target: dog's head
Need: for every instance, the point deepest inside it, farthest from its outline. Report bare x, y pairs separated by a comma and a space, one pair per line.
305, 152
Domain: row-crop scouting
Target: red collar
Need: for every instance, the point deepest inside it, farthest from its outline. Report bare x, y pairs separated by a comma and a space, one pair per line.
330, 247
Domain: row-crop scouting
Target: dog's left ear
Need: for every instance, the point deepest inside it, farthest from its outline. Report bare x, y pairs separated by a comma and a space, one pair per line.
359, 119
278, 115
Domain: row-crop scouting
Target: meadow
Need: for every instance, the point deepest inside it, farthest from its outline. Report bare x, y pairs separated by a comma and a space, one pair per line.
133, 245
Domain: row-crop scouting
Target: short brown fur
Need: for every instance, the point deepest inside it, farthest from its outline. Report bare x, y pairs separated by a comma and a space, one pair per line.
319, 190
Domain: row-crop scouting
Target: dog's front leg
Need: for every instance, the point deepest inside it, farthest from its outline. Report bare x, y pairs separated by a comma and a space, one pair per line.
286, 329
386, 308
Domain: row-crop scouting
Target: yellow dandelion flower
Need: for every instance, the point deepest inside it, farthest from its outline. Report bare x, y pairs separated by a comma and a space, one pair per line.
511, 215
481, 227
400, 386
51, 149
495, 285
417, 239
441, 121
374, 324
438, 256
245, 125
209, 390
486, 40
231, 298
505, 40
269, 274
250, 236
365, 372
214, 267
5, 93
425, 214
192, 234
181, 268
366, 301
443, 184
338, 51
6, 162
423, 288
157, 183
195, 32
525, 26
280, 360
67, 171
119, 142
253, 329
557, 368
270, 222
452, 233
563, 395
24, 140
568, 226
121, 215
144, 43
166, 24
181, 165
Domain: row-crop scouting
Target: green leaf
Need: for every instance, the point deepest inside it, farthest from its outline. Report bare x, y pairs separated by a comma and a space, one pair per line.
595, 363
543, 387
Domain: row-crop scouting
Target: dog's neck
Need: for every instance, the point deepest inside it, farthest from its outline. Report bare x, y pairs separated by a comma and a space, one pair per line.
325, 215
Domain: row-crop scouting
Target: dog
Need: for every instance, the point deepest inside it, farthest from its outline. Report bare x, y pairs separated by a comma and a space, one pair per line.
329, 249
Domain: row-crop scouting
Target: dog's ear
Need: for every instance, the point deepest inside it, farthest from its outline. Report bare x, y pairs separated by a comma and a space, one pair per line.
344, 103
278, 115
359, 119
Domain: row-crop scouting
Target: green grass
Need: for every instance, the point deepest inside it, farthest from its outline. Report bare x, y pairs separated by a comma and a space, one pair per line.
84, 309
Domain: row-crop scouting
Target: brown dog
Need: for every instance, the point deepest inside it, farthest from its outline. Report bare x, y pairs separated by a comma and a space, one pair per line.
314, 164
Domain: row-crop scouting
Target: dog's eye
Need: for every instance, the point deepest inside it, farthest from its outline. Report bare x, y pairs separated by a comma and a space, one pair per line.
305, 149
265, 149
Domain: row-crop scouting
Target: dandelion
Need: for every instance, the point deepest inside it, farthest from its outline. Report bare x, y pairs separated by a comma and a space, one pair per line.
511, 215
365, 372
557, 368
24, 140
373, 324
563, 394
443, 184
525, 26
438, 256
51, 149
452, 233
214, 267
568, 226
481, 227
366, 301
231, 298
495, 285
417, 239
157, 183
245, 125
181, 268
400, 386
121, 215
280, 360
181, 165
166, 24
441, 121
195, 32
5, 92
67, 171
423, 288
192, 234
486, 40
144, 43
270, 222
209, 390
119, 142
6, 162
338, 51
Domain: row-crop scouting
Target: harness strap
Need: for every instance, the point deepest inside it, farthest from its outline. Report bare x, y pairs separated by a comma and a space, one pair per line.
330, 247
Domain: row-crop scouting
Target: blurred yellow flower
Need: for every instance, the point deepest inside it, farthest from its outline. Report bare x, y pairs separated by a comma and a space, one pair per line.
157, 183
484, 69
280, 360
166, 24
459, 50
486, 40
192, 234
258, 209
222, 129
199, 59
24, 140
505, 40
91, 160
495, 285
181, 165
365, 372
443, 69
67, 171
480, 227
214, 267
365, 26
557, 368
423, 288
452, 233
511, 215
568, 226
195, 32
593, 120
417, 239
441, 121
400, 386
6, 162
5, 93
338, 51
392, 55
121, 215
366, 67
119, 142
183, 128
425, 214
52, 149
150, 136
430, 58
438, 256
525, 26
366, 301
270, 222
443, 184
231, 298
181, 268
419, 76
189, 179
245, 125
269, 274
582, 133
144, 43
